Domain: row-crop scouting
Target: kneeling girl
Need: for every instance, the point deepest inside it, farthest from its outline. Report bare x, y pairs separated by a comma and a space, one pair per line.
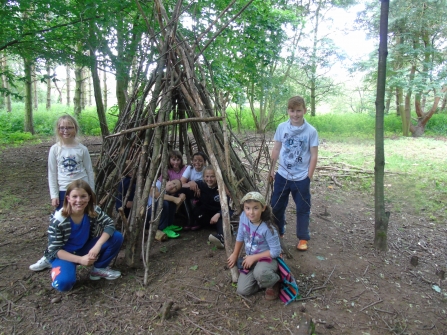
262, 246
81, 233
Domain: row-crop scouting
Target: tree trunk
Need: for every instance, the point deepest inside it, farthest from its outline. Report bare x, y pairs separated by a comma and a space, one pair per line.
444, 99
34, 87
98, 97
381, 217
78, 91
406, 120
67, 68
105, 90
83, 88
48, 105
313, 69
5, 83
423, 118
388, 101
90, 87
400, 111
29, 127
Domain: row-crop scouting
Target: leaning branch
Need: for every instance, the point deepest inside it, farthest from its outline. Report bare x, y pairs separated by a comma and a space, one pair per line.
167, 123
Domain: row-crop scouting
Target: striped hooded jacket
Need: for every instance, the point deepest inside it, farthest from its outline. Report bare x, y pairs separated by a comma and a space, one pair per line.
60, 229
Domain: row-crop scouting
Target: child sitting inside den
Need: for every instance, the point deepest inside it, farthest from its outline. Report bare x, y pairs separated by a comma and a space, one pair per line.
194, 173
208, 210
124, 187
170, 205
176, 167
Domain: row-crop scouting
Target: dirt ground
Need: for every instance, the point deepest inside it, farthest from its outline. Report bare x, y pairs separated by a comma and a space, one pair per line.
346, 286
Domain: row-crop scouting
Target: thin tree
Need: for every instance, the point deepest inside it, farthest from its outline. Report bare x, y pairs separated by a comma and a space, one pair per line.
105, 90
381, 217
48, 105
5, 83
34, 86
68, 86
28, 64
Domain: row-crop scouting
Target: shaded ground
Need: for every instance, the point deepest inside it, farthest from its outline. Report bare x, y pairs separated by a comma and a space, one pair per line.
346, 286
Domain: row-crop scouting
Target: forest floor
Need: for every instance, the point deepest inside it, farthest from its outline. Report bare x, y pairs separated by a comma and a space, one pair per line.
346, 286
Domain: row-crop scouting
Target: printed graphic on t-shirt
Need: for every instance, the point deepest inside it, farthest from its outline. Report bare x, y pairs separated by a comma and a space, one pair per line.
253, 241
217, 198
294, 146
69, 165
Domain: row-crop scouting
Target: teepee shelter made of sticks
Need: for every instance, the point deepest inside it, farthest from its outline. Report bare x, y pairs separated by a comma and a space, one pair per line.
170, 108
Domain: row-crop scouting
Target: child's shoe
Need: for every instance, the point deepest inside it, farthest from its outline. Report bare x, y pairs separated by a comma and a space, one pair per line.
302, 245
106, 273
217, 240
272, 293
40, 265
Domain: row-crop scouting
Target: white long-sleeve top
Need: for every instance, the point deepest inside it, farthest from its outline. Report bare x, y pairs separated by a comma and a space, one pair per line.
67, 164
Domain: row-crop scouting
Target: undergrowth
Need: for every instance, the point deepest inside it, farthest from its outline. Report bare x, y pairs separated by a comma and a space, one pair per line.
415, 176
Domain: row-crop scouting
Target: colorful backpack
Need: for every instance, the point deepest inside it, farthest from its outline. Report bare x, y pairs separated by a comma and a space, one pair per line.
288, 291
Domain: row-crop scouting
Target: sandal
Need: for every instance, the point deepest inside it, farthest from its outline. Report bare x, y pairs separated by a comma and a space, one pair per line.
170, 233
174, 228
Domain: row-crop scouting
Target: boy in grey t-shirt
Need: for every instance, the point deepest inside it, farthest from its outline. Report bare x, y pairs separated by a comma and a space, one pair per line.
296, 151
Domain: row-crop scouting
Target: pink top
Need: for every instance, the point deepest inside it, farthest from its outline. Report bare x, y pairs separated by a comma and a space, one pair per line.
175, 175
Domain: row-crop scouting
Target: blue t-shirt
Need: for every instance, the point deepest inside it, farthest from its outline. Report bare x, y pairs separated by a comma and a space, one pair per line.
79, 234
258, 238
294, 157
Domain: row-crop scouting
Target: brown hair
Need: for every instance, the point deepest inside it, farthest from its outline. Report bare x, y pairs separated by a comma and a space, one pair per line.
296, 102
201, 154
266, 216
80, 184
65, 118
175, 154
210, 168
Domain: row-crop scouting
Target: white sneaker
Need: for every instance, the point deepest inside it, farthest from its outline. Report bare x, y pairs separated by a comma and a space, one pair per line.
217, 240
40, 265
106, 273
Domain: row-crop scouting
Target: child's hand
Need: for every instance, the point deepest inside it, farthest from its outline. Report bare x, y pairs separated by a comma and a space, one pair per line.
129, 204
193, 186
94, 252
248, 262
215, 218
87, 260
231, 261
55, 202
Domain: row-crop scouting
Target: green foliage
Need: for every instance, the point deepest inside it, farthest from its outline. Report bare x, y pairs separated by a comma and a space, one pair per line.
437, 125
343, 125
11, 124
407, 182
246, 118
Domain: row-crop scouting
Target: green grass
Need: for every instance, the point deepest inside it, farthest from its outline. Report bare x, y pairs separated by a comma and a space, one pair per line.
346, 125
415, 174
12, 124
330, 126
8, 201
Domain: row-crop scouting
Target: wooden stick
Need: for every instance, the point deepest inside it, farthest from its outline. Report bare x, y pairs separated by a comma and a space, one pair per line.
167, 123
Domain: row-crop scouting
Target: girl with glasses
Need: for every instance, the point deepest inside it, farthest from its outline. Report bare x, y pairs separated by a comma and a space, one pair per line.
68, 160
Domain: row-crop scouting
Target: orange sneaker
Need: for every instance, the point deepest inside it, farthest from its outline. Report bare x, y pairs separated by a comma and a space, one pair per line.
272, 293
302, 245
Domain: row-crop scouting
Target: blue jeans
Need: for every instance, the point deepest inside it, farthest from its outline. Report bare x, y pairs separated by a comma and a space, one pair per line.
61, 199
63, 273
167, 216
301, 195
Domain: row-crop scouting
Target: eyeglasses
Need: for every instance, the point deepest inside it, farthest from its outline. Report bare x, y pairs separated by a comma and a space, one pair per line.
66, 128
